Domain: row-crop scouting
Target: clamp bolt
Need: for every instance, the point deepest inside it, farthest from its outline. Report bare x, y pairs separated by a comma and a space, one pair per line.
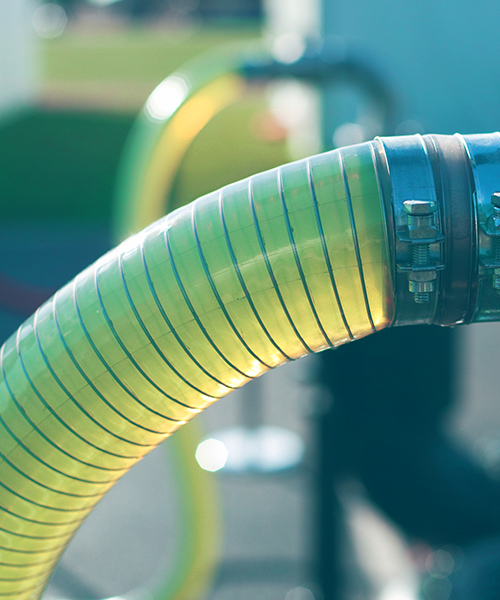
421, 220
494, 223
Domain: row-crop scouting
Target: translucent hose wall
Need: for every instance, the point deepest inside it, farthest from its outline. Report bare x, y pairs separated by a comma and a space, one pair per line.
175, 112
152, 157
269, 269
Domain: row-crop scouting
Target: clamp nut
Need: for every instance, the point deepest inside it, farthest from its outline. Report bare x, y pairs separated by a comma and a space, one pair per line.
493, 221
420, 218
420, 208
419, 287
421, 283
422, 276
493, 229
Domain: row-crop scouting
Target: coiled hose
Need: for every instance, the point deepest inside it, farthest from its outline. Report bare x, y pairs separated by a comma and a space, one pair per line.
289, 262
173, 115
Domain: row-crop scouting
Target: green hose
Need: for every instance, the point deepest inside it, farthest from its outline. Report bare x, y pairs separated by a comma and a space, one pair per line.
288, 262
153, 155
175, 112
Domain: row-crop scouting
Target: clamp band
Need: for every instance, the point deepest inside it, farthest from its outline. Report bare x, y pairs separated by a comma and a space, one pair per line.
455, 192
431, 204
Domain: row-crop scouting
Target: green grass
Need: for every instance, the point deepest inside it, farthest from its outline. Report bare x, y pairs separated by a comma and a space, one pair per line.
61, 163
141, 55
117, 70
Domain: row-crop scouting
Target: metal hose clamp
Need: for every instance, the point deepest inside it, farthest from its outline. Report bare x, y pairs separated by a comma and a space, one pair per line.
483, 152
430, 201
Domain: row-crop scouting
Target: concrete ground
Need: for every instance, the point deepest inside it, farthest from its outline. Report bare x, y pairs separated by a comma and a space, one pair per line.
132, 534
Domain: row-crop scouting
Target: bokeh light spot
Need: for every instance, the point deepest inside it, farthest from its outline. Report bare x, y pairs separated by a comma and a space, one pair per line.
211, 455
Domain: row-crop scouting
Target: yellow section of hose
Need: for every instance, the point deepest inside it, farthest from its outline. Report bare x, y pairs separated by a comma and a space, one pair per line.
194, 567
197, 558
179, 107
152, 185
285, 263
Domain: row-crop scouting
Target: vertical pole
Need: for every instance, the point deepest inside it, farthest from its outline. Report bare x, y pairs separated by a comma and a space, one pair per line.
310, 19
327, 101
18, 56
327, 563
327, 522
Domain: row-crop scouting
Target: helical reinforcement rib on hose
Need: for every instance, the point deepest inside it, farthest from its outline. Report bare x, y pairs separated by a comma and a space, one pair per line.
286, 263
172, 117
292, 261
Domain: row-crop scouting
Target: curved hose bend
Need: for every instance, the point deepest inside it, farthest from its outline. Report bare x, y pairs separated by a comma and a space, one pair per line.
288, 262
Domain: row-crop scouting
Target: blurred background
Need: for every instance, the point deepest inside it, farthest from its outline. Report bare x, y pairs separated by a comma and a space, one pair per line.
75, 75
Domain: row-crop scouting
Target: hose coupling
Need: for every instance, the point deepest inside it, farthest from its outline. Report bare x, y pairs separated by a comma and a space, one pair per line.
430, 207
